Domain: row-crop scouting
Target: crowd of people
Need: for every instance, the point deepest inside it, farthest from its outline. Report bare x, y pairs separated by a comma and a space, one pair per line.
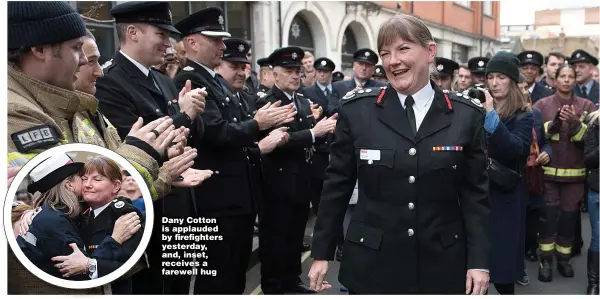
495, 155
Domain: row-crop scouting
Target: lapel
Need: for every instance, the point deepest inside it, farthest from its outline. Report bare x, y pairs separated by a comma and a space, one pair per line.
391, 113
323, 100
136, 74
437, 118
280, 96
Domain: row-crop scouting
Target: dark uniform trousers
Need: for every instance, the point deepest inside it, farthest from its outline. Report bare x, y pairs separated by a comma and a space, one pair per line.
95, 229
287, 174
125, 93
227, 148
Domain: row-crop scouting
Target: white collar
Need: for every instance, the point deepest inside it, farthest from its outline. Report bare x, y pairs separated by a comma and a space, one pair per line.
531, 88
211, 72
421, 97
358, 83
142, 68
100, 209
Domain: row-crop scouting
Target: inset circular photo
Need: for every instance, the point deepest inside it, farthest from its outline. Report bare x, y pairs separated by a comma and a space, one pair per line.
79, 216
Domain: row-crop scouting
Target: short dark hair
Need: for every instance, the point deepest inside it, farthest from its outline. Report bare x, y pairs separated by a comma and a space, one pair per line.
556, 54
562, 66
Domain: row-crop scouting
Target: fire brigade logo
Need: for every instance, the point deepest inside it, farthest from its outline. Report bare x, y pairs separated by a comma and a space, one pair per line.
241, 48
480, 63
323, 63
221, 20
578, 55
294, 55
529, 55
367, 54
440, 67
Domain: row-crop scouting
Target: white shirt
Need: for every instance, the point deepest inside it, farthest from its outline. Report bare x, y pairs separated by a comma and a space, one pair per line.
290, 97
423, 99
142, 68
531, 88
99, 210
358, 84
210, 71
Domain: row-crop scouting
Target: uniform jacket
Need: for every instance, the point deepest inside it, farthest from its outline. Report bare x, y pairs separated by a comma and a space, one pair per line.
65, 116
540, 91
50, 234
341, 88
316, 95
262, 88
228, 132
422, 217
567, 163
287, 168
593, 94
95, 229
125, 93
591, 155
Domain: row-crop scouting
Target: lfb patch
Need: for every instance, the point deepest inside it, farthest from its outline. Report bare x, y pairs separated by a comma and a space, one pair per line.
453, 148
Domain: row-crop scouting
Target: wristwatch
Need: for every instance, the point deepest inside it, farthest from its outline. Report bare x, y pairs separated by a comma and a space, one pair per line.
92, 266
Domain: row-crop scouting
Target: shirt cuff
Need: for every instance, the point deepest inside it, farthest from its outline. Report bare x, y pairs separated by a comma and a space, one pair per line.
491, 121
482, 270
313, 135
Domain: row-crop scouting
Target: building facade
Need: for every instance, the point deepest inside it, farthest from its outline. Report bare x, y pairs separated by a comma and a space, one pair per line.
334, 29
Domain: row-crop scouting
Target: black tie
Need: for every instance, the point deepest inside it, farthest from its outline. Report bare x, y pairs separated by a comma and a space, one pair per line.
584, 91
153, 81
410, 113
326, 91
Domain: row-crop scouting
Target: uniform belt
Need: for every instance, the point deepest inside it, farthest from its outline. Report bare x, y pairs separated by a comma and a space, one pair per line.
564, 172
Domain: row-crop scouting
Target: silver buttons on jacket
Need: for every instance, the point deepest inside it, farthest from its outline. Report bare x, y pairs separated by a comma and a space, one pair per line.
235, 119
411, 232
411, 179
362, 240
227, 99
411, 206
370, 162
412, 151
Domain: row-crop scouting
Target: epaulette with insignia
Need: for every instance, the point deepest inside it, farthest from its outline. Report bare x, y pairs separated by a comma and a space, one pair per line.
465, 99
261, 94
360, 94
188, 68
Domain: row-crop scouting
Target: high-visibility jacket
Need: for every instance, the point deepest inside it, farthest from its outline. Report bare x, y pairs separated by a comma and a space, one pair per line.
566, 138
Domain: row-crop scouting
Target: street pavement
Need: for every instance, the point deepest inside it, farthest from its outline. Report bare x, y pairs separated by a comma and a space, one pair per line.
559, 286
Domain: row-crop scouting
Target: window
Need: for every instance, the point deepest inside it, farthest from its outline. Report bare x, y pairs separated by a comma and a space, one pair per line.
300, 35
179, 10
348, 48
238, 19
460, 53
464, 3
487, 8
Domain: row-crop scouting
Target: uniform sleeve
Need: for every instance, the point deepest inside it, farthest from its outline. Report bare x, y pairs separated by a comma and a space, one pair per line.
298, 139
513, 144
338, 186
590, 149
474, 201
115, 103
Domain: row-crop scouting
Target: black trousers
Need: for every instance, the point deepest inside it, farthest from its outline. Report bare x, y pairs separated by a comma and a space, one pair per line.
316, 187
532, 228
280, 236
229, 257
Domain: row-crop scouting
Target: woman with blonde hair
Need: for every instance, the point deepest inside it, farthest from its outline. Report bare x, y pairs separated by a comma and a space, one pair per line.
509, 124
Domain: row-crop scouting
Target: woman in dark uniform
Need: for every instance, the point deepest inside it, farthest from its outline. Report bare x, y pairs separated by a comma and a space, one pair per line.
55, 227
508, 124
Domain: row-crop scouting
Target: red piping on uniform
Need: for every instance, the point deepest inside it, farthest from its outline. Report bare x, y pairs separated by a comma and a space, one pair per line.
380, 98
448, 101
87, 211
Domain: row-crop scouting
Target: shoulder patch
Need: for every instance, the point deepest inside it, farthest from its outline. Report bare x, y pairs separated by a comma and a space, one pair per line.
188, 68
34, 137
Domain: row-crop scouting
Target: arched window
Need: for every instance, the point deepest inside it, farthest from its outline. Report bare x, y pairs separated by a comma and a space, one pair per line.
348, 48
300, 35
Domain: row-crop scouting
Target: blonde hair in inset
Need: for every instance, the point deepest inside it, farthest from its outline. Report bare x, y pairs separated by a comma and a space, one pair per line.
59, 197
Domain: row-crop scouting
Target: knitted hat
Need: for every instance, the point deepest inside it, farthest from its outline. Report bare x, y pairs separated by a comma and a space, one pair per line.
37, 23
504, 63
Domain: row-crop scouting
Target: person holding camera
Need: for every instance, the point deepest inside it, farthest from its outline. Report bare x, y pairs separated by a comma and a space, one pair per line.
563, 115
509, 124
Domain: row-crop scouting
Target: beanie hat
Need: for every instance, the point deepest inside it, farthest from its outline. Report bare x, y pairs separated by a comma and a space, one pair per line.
504, 63
37, 23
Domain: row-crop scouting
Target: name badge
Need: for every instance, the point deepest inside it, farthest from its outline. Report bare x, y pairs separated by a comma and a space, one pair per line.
370, 155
